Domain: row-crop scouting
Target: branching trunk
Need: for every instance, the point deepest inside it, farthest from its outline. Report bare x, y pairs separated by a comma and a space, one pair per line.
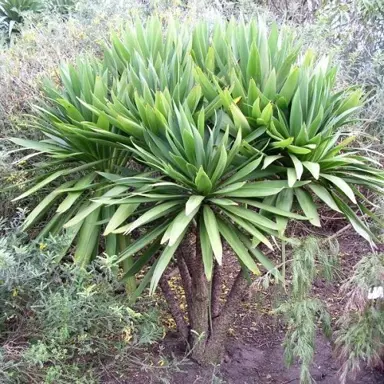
216, 290
199, 311
186, 279
174, 308
216, 343
206, 336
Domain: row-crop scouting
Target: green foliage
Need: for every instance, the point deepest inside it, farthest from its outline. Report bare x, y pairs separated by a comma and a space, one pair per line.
360, 334
11, 13
302, 327
354, 31
66, 316
299, 114
61, 6
237, 132
79, 145
359, 24
302, 310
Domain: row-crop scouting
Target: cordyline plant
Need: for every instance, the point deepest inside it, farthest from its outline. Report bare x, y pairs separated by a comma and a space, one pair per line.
235, 134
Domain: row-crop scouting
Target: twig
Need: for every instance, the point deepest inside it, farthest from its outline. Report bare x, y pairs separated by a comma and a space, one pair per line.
339, 232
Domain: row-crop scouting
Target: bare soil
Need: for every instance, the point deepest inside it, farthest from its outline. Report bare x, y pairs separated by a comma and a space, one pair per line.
253, 364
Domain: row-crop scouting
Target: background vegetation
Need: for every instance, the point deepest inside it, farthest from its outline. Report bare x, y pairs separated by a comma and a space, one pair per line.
60, 323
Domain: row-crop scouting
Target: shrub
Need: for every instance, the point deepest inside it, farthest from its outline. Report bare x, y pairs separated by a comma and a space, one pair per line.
66, 317
236, 133
88, 146
360, 334
359, 24
354, 31
303, 310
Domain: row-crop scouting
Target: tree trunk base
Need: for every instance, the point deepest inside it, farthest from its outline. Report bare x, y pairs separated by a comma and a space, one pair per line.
209, 321
208, 356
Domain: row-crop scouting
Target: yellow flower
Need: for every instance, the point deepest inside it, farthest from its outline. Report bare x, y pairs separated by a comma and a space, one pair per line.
43, 246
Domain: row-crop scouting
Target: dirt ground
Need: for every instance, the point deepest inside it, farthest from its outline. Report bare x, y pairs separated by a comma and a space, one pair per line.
247, 363
254, 353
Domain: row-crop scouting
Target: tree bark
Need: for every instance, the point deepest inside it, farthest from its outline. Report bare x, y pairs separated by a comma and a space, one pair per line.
174, 308
186, 279
187, 251
216, 290
206, 337
199, 311
185, 261
214, 346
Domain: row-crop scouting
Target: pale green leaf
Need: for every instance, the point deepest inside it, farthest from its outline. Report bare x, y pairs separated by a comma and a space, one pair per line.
162, 263
206, 251
314, 168
213, 233
268, 160
230, 235
193, 202
324, 195
342, 185
308, 206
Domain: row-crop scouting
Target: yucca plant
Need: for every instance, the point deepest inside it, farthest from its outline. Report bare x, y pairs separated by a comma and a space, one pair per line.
85, 129
11, 12
249, 86
309, 139
286, 106
199, 190
220, 120
77, 145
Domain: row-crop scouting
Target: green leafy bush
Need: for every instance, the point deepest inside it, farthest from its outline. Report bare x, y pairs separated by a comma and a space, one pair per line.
12, 12
66, 316
89, 147
235, 134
